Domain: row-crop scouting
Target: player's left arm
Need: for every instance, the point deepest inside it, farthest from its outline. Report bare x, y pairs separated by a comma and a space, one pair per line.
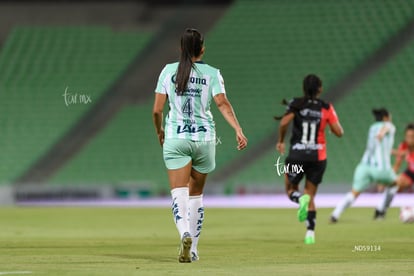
226, 109
337, 129
283, 127
334, 123
157, 114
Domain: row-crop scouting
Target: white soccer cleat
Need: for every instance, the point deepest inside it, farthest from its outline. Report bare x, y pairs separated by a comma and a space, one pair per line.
194, 257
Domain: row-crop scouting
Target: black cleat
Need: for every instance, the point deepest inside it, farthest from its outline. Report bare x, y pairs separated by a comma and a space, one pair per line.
379, 215
333, 220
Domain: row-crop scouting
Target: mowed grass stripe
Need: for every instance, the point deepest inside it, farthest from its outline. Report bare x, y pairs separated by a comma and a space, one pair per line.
144, 241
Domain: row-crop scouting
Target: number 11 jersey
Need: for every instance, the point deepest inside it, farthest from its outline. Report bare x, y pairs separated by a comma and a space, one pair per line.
189, 116
308, 141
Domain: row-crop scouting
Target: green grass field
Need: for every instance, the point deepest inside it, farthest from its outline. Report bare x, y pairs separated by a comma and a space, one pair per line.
132, 241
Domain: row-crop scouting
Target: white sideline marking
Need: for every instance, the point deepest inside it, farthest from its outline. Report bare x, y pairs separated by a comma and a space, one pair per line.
14, 272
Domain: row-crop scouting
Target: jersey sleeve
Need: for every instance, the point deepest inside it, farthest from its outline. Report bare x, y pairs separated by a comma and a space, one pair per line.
332, 117
290, 107
391, 129
217, 84
162, 82
372, 139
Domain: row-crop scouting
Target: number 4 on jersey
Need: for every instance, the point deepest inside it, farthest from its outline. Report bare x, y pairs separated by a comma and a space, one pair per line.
306, 126
187, 107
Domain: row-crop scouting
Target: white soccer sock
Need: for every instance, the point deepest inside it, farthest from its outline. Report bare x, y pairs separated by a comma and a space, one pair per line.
387, 198
345, 203
196, 219
180, 209
310, 233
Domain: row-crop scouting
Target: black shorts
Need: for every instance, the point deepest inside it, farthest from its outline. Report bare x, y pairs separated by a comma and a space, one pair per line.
313, 170
409, 174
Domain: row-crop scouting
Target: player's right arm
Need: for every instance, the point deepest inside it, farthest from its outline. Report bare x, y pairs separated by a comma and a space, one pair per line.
157, 114
159, 102
383, 131
283, 127
399, 156
397, 164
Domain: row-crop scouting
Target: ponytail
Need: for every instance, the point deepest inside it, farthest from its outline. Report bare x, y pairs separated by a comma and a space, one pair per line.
284, 102
191, 46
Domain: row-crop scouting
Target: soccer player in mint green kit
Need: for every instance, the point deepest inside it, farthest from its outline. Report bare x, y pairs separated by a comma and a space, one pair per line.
189, 136
375, 166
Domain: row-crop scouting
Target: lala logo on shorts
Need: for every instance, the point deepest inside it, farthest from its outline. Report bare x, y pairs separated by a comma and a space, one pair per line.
190, 129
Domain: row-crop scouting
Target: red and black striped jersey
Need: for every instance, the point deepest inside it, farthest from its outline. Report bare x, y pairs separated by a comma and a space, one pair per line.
409, 156
308, 142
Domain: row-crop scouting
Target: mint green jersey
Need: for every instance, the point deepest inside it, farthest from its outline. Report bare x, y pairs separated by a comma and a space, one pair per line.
189, 116
378, 152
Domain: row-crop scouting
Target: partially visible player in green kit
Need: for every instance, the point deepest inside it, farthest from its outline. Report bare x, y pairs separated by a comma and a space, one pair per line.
375, 166
189, 137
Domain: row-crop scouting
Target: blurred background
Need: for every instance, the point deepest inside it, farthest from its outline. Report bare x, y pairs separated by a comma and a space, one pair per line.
77, 82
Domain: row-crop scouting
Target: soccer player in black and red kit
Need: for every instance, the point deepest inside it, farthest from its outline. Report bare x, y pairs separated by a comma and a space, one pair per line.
307, 153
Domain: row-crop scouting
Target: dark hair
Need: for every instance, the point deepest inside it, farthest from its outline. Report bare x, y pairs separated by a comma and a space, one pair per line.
380, 113
410, 126
311, 87
191, 45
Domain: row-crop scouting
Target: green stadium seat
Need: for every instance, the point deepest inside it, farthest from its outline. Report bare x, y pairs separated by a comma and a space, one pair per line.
36, 65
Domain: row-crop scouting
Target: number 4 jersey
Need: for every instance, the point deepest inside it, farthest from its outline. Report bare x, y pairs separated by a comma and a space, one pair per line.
308, 141
189, 116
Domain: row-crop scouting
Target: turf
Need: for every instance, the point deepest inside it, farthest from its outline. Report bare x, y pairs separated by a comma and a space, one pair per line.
131, 241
